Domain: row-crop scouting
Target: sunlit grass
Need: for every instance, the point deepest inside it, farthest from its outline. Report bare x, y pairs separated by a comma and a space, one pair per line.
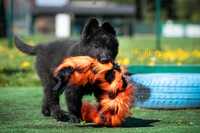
20, 112
142, 51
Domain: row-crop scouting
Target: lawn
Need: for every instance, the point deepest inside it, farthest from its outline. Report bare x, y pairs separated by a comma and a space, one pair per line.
20, 113
20, 106
141, 50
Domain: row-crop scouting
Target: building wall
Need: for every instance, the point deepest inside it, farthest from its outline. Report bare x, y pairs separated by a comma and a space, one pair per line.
22, 16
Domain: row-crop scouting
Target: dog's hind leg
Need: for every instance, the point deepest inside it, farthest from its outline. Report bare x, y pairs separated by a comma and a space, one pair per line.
45, 106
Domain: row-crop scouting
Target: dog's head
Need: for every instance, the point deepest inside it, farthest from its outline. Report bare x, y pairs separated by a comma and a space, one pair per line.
99, 41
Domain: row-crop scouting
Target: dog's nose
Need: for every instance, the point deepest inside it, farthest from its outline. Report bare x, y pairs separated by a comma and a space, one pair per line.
104, 58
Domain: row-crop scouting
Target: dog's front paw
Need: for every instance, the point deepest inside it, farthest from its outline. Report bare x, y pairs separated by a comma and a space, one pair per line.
61, 116
73, 119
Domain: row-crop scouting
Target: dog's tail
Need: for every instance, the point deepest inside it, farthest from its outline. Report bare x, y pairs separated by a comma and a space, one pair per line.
25, 48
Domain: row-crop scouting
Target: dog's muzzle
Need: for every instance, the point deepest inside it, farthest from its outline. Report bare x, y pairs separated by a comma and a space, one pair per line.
104, 58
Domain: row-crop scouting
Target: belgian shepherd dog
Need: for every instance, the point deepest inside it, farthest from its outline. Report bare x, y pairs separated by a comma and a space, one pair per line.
97, 41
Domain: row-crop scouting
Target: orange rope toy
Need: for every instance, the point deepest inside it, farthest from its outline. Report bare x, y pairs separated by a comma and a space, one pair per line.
115, 99
109, 112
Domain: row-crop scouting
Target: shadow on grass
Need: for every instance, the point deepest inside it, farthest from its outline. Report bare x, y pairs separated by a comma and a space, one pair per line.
130, 123
138, 122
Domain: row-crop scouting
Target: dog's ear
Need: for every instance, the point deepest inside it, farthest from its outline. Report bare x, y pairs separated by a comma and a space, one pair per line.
91, 26
108, 28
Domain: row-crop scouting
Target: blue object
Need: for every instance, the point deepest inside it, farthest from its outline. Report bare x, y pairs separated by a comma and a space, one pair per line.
167, 90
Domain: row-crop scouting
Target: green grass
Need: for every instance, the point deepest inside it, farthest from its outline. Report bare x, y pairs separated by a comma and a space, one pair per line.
20, 106
20, 113
141, 50
148, 42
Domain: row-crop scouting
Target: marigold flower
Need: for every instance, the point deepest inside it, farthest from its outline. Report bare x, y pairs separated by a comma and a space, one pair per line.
25, 65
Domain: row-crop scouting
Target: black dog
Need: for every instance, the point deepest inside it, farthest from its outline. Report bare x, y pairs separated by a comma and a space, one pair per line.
96, 41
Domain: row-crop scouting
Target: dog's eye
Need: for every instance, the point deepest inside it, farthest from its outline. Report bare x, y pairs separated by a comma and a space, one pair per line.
110, 75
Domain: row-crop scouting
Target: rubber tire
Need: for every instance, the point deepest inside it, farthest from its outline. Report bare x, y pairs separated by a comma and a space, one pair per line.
167, 90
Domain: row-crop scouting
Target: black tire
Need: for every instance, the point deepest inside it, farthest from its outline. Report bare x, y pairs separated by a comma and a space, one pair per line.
167, 90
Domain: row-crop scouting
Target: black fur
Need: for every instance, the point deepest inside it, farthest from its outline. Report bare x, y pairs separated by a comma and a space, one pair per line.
96, 41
